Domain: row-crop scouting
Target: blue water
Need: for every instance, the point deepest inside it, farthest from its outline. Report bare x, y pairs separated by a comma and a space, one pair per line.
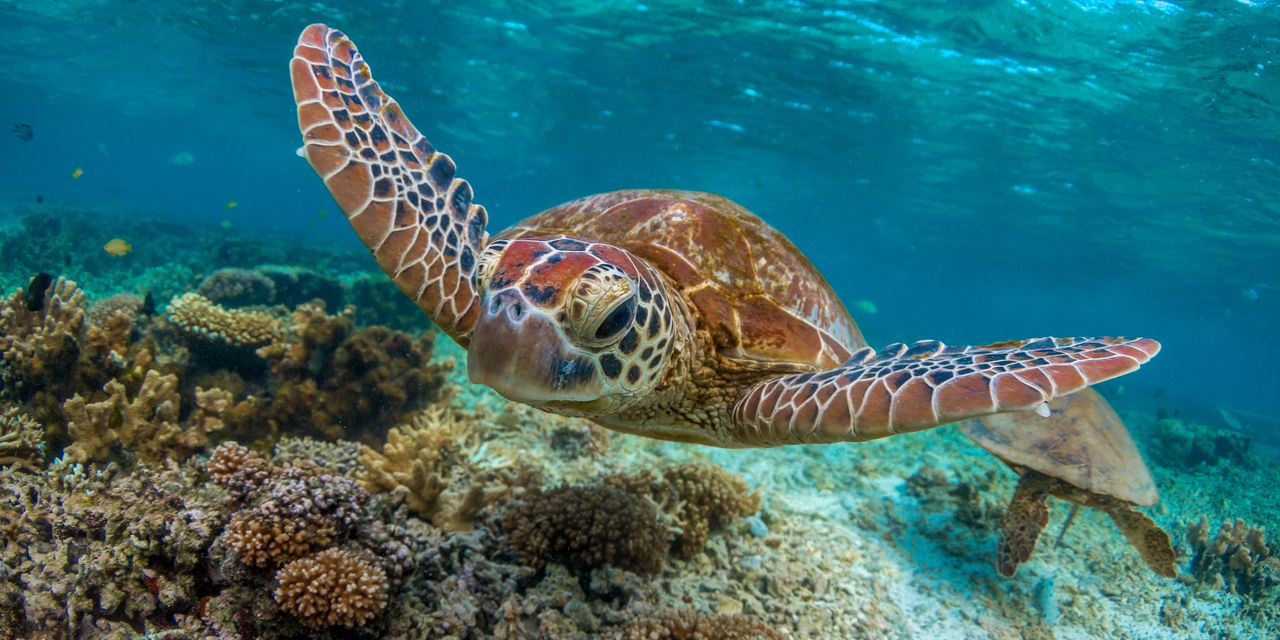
984, 171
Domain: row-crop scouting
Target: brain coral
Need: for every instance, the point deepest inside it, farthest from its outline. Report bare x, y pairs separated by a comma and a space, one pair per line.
196, 315
584, 527
333, 587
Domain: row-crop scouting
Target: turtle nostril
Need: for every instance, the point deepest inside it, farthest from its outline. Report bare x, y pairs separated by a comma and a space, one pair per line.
495, 306
517, 311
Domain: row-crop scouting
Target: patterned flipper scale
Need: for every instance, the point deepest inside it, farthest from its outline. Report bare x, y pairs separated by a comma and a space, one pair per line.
908, 388
398, 192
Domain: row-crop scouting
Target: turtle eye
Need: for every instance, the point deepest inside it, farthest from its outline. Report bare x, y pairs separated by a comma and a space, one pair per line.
617, 321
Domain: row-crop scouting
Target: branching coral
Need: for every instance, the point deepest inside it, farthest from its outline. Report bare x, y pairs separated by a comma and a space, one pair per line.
147, 423
40, 342
699, 497
239, 470
691, 625
449, 472
586, 527
1237, 558
195, 315
21, 437
330, 379
333, 587
125, 303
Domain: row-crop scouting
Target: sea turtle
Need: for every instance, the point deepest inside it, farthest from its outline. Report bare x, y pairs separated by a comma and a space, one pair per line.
669, 314
1082, 454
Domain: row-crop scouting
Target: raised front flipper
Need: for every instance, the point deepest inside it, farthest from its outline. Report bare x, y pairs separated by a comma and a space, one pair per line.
398, 192
910, 388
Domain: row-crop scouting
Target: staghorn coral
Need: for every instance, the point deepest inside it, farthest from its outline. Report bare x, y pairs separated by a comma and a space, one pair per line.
448, 471
698, 497
147, 423
330, 379
333, 587
692, 625
196, 316
584, 527
1237, 558
21, 437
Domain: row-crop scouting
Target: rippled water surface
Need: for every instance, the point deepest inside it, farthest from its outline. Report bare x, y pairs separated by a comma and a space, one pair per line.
987, 170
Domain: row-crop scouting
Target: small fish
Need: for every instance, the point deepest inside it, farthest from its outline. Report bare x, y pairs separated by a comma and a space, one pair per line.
149, 305
117, 247
225, 224
311, 223
102, 148
324, 214
24, 132
1251, 295
39, 199
76, 173
182, 159
231, 204
865, 306
36, 289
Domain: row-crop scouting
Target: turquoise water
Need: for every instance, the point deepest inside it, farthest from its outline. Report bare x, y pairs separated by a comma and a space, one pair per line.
985, 171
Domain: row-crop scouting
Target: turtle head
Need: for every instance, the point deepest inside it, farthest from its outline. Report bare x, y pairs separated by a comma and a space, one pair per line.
570, 324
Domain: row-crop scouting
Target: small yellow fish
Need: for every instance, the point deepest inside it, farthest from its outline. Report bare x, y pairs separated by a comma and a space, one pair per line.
231, 204
225, 224
865, 306
117, 247
75, 175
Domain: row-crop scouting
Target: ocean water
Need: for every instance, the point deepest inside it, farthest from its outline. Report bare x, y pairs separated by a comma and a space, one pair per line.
970, 172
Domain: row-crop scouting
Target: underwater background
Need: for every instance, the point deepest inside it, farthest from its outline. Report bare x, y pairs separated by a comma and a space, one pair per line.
969, 172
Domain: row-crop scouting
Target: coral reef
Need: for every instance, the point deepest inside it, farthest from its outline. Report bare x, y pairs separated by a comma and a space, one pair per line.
40, 347
1237, 558
691, 625
699, 498
448, 472
1179, 444
198, 317
330, 379
101, 311
21, 437
333, 587
237, 288
147, 422
586, 527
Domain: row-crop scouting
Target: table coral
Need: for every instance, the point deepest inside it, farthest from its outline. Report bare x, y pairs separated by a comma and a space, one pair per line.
195, 315
1237, 558
333, 587
449, 472
698, 497
147, 422
584, 527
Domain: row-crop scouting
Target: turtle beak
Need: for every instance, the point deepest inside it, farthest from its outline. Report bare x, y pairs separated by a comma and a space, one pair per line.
520, 352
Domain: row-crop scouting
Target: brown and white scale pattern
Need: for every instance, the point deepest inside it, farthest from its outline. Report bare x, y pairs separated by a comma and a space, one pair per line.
670, 314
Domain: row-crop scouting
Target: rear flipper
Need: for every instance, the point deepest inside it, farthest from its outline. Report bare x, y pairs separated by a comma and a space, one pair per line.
928, 384
1148, 538
1026, 517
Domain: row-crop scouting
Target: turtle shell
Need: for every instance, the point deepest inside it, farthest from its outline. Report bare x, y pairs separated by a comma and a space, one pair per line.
755, 292
1083, 443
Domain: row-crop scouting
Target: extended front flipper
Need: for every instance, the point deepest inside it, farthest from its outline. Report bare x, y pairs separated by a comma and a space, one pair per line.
928, 384
398, 192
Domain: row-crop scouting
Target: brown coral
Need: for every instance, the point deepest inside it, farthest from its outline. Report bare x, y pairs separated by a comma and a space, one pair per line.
237, 288
239, 470
147, 423
1237, 558
692, 625
332, 380
585, 527
699, 497
40, 348
450, 473
266, 536
333, 587
21, 437
195, 315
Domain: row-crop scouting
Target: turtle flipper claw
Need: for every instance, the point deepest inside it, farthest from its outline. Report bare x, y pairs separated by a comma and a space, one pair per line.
399, 193
909, 388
